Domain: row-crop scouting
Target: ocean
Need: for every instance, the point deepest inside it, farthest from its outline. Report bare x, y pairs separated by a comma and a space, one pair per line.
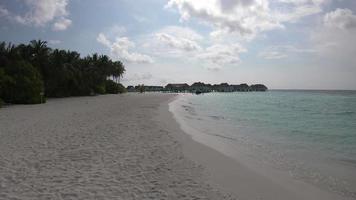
310, 135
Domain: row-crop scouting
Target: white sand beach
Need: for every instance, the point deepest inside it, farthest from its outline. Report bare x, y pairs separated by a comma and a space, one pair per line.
103, 147
120, 147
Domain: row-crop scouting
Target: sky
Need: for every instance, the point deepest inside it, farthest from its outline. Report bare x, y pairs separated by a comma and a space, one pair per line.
284, 44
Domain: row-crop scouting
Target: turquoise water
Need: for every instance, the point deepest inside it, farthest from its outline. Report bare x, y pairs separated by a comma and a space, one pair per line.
312, 134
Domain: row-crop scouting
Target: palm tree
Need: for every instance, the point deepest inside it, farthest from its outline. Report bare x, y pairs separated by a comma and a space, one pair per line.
40, 59
40, 51
118, 70
39, 47
63, 73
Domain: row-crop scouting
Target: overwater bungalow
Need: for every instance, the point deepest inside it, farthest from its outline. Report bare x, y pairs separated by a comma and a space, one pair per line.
131, 88
177, 87
241, 88
200, 87
153, 88
223, 87
258, 87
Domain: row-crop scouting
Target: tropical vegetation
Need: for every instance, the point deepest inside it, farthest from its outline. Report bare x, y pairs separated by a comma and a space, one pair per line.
29, 73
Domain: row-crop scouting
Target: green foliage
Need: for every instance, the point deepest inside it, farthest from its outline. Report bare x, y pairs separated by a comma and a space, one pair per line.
111, 87
3, 79
122, 88
22, 83
141, 88
114, 88
100, 89
56, 73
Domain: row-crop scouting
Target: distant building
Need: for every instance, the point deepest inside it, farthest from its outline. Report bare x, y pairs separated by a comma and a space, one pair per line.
242, 88
131, 88
154, 88
177, 87
258, 87
223, 87
200, 87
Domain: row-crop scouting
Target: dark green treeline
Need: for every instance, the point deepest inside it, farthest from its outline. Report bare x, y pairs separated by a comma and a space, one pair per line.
31, 72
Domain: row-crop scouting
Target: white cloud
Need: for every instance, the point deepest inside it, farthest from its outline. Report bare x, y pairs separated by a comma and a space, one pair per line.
62, 24
335, 39
42, 12
173, 41
115, 31
221, 54
178, 43
245, 17
137, 77
184, 43
140, 19
181, 32
340, 18
293, 10
103, 40
120, 50
3, 12
54, 42
234, 22
282, 51
270, 55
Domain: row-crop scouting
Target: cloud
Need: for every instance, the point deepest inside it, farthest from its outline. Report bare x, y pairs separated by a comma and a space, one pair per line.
184, 43
54, 42
140, 19
293, 10
335, 40
282, 51
221, 54
340, 18
238, 17
270, 55
173, 41
245, 17
137, 77
120, 50
115, 31
178, 43
3, 12
42, 12
181, 32
103, 40
62, 24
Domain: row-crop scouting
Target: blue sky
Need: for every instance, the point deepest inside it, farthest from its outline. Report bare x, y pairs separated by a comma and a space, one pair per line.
285, 44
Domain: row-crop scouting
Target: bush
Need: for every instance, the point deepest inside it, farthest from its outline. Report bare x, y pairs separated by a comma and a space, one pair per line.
114, 88
111, 87
30, 71
100, 89
3, 78
140, 88
22, 84
122, 88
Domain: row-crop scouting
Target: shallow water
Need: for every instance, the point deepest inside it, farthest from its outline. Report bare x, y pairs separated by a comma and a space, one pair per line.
309, 134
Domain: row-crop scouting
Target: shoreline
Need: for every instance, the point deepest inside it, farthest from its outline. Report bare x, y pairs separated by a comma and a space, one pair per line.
238, 175
127, 146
